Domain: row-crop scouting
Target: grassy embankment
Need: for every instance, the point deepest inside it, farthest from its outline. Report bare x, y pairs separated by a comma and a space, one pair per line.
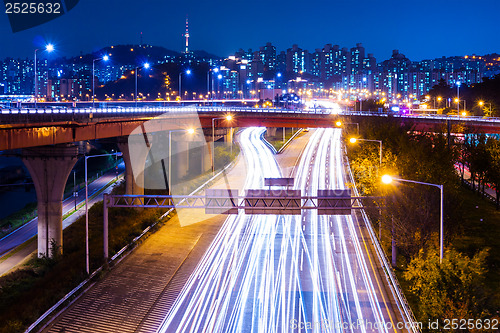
28, 292
277, 140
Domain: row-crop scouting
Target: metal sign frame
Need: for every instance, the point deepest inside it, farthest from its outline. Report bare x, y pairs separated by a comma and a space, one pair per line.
258, 204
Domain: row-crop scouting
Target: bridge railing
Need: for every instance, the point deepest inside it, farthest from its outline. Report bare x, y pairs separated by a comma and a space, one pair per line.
85, 114
13, 115
420, 116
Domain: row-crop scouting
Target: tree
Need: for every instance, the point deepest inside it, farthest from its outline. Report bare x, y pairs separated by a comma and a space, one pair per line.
441, 89
493, 172
448, 290
477, 159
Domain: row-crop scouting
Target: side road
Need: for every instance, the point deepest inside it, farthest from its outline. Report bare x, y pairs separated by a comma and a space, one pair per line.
18, 246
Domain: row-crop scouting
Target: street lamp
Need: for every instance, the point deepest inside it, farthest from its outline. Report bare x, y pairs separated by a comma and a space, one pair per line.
210, 92
481, 104
146, 66
227, 118
49, 48
458, 98
386, 179
354, 140
278, 76
188, 72
339, 124
105, 58
87, 257
219, 77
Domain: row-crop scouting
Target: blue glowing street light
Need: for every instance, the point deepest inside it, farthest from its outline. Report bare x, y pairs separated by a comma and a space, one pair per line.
146, 66
188, 72
219, 77
210, 92
49, 48
104, 58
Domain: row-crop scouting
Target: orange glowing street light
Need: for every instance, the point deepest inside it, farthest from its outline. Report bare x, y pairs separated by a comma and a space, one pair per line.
386, 179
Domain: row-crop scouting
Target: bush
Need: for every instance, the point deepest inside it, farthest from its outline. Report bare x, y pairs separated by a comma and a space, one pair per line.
452, 289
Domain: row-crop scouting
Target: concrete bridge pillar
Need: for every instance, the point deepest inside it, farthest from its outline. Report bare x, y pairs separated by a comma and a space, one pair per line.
228, 137
271, 131
49, 167
134, 184
206, 161
181, 160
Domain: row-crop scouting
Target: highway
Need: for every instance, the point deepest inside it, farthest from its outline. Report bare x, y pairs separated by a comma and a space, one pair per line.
30, 229
269, 273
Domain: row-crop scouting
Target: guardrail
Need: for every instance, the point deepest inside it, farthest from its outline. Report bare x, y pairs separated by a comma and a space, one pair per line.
30, 115
390, 276
129, 110
289, 141
421, 116
484, 194
16, 116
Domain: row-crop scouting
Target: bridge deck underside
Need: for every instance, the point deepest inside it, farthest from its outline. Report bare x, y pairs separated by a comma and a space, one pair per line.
52, 130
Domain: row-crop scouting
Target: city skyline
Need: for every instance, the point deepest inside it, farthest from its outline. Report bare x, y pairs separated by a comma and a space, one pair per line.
397, 27
266, 68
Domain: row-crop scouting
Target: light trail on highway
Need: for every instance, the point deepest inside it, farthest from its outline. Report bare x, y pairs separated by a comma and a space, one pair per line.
269, 273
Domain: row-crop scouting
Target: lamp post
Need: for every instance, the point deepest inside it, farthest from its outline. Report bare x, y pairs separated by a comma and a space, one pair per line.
210, 91
228, 118
74, 188
146, 66
339, 124
49, 48
354, 140
481, 104
105, 58
278, 76
188, 72
386, 179
87, 257
458, 98
219, 77
215, 70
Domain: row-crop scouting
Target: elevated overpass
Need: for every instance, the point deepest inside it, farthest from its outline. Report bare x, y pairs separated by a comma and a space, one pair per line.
47, 136
23, 128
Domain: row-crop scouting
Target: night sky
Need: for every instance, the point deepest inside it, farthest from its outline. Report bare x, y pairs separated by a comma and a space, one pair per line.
420, 29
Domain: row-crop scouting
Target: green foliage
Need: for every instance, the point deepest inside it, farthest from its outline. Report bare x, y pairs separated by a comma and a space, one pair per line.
487, 91
26, 293
277, 140
221, 157
411, 211
411, 214
366, 170
452, 289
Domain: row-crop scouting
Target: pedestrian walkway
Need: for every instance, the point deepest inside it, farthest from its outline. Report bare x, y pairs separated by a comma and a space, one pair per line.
490, 193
